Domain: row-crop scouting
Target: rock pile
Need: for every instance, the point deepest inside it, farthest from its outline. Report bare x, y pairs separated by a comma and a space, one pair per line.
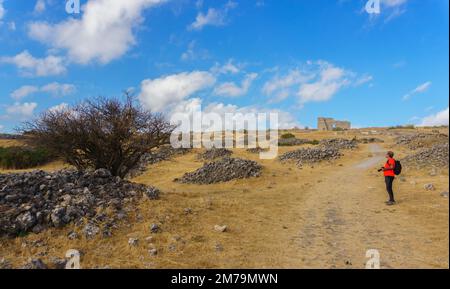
10, 136
436, 156
257, 150
223, 170
34, 201
293, 142
162, 154
311, 155
421, 140
214, 153
369, 140
339, 143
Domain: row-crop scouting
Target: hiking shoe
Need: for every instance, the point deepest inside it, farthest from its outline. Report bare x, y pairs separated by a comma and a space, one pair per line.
390, 203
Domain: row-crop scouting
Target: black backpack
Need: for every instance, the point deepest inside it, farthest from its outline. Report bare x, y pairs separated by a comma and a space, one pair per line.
398, 168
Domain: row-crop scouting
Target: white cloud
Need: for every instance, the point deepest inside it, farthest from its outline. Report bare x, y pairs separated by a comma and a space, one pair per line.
418, 90
281, 84
193, 52
438, 119
161, 93
422, 88
59, 89
189, 54
329, 81
214, 17
104, 32
363, 80
55, 89
28, 65
391, 9
40, 6
188, 106
2, 10
314, 82
24, 91
285, 119
228, 68
58, 108
21, 110
12, 26
231, 89
393, 3
1, 128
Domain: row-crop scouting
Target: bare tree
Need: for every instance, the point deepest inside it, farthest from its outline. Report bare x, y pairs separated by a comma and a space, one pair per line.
101, 133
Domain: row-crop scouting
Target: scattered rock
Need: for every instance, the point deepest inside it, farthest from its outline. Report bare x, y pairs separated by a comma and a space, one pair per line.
58, 263
164, 153
152, 193
121, 215
220, 229
421, 140
153, 252
436, 156
33, 201
90, 231
433, 172
285, 142
172, 247
369, 140
444, 194
26, 221
154, 228
214, 153
311, 155
223, 170
6, 136
257, 150
73, 235
429, 187
339, 144
5, 264
34, 264
218, 247
176, 238
133, 242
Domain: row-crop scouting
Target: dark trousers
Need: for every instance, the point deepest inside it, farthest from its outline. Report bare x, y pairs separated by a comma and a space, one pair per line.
389, 183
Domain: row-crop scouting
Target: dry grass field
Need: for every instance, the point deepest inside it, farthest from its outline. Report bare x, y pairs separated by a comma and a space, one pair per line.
322, 216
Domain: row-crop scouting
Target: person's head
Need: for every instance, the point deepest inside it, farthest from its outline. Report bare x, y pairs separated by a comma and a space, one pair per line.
389, 155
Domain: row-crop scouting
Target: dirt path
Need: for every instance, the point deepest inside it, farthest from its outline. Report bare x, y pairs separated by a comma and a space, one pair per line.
344, 216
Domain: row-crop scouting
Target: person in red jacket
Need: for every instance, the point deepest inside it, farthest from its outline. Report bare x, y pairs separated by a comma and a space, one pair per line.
389, 176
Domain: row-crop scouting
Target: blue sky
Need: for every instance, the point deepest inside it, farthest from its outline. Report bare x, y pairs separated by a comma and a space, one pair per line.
300, 58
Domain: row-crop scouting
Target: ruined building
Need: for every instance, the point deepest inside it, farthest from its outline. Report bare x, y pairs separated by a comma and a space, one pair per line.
329, 124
